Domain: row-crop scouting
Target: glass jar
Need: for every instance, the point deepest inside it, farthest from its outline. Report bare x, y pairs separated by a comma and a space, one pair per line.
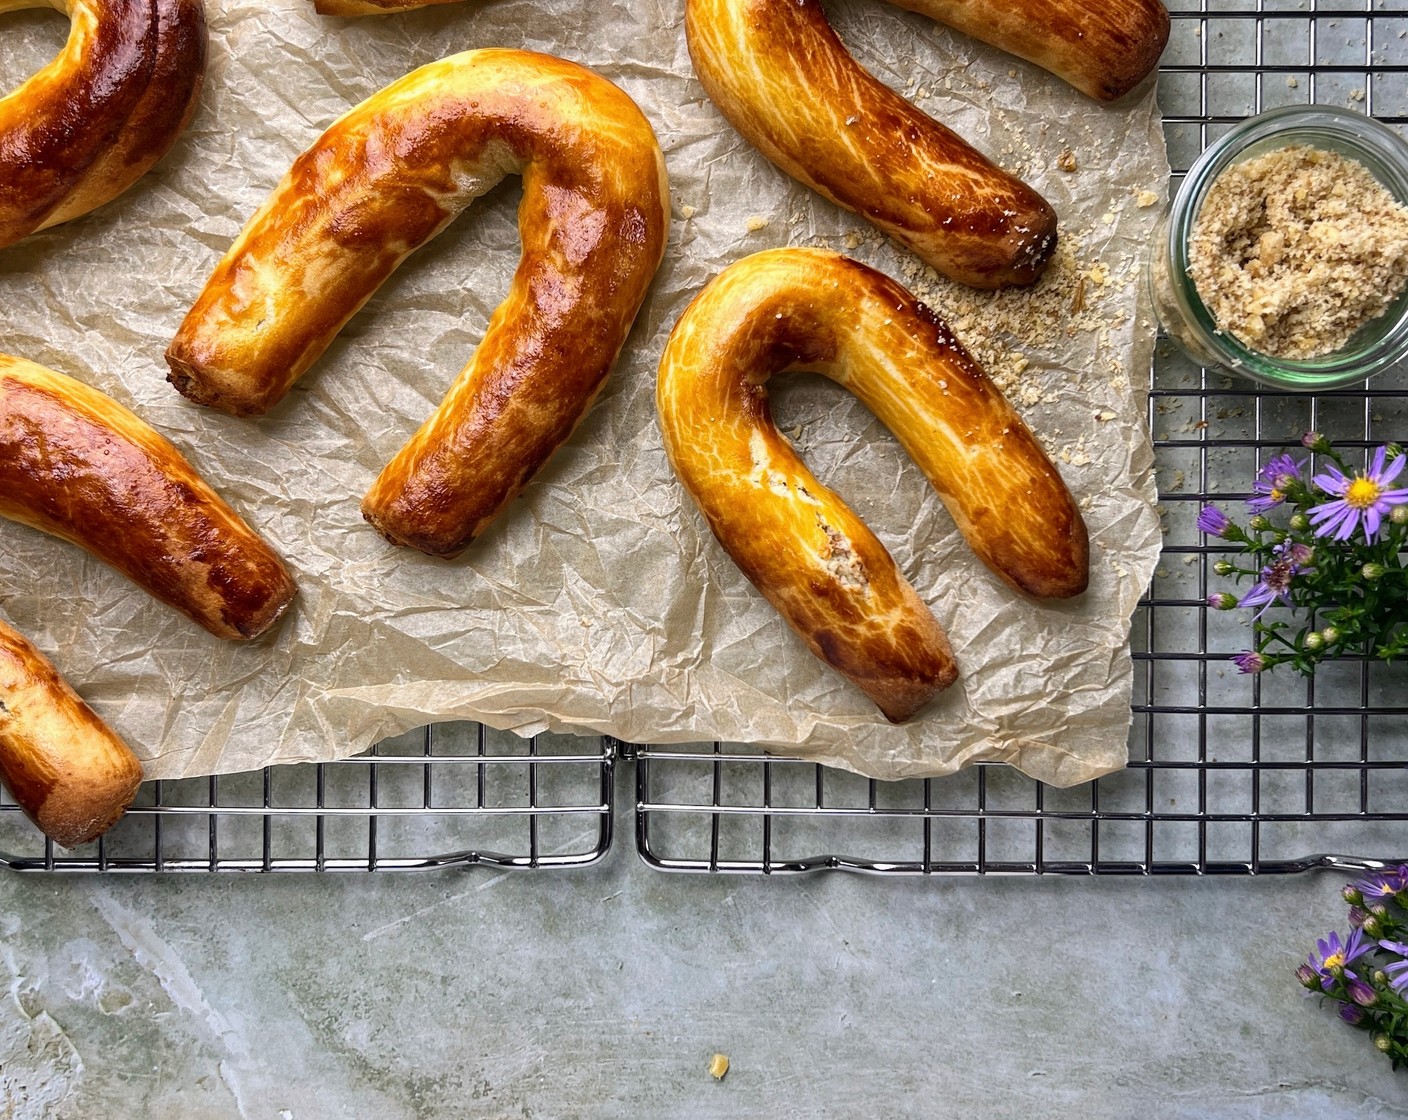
1182, 313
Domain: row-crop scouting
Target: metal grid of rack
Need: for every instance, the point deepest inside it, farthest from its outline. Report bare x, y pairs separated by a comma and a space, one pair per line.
1228, 774
446, 795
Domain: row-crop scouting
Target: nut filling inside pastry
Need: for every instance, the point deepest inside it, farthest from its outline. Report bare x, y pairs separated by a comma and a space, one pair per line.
798, 542
100, 115
381, 182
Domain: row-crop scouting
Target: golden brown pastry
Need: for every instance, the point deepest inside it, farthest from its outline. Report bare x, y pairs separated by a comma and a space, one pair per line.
388, 177
372, 7
75, 463
798, 542
776, 69
1104, 48
65, 768
91, 123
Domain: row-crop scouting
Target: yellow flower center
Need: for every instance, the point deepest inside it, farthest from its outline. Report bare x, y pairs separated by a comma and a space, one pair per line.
1362, 493
1334, 960
1277, 495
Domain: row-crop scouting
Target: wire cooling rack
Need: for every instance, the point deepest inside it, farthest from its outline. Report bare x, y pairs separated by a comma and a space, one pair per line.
446, 795
1228, 774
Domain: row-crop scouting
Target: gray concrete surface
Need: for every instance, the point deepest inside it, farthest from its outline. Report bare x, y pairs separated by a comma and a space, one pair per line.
603, 993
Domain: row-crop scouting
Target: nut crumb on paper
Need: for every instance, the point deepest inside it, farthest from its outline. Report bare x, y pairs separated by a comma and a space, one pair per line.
756, 222
1005, 330
718, 1066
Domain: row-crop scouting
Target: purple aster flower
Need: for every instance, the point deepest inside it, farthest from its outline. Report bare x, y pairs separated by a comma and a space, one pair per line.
1365, 497
1248, 662
1398, 971
1333, 957
1273, 587
1380, 886
1278, 476
1213, 522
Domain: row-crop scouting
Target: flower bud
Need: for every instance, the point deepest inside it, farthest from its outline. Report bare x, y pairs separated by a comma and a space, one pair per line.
1352, 1014
1373, 926
1349, 892
1361, 993
1398, 515
1392, 451
1314, 643
1223, 567
1315, 441
1382, 1043
1329, 635
1214, 522
1357, 914
1222, 601
1373, 571
1249, 662
1299, 522
1380, 978
1259, 523
1378, 909
1308, 977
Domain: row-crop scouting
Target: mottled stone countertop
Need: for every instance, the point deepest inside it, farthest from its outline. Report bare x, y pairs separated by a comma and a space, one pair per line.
603, 992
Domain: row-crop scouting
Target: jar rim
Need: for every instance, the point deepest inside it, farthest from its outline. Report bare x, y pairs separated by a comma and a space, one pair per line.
1376, 146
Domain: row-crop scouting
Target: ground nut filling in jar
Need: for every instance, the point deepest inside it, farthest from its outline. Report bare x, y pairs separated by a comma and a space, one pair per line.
1295, 250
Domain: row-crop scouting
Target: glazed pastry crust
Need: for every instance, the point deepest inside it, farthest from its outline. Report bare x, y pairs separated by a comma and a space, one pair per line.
797, 541
778, 72
66, 769
101, 114
372, 7
76, 464
1104, 49
388, 177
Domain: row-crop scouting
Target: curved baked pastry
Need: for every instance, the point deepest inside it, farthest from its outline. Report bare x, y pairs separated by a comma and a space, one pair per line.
100, 115
1104, 49
65, 767
388, 177
372, 7
798, 542
777, 70
78, 465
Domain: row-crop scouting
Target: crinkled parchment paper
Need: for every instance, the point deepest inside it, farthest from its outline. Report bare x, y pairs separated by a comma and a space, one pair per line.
599, 602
